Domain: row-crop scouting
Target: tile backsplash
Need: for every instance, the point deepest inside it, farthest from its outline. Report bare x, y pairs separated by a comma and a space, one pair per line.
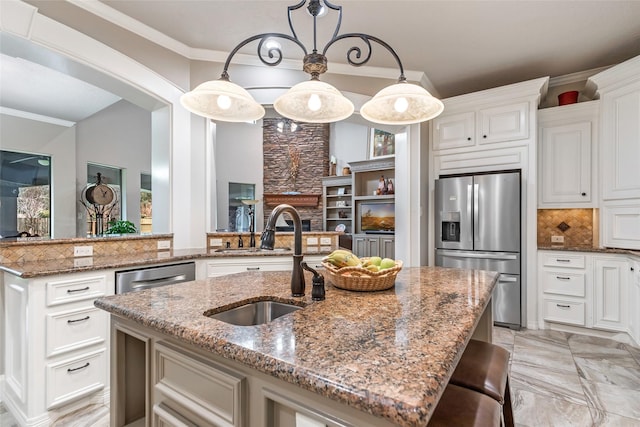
575, 225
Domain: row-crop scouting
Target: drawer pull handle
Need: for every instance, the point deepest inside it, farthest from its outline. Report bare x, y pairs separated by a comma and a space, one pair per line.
563, 278
563, 306
86, 365
70, 291
78, 320
253, 268
563, 260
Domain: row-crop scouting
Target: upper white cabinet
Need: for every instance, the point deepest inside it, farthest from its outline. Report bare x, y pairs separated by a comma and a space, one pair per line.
566, 156
621, 133
501, 123
619, 91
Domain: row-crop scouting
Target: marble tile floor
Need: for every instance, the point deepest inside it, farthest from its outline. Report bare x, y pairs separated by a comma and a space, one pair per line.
557, 379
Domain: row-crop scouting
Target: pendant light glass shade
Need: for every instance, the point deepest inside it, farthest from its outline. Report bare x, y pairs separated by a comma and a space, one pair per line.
222, 100
313, 101
401, 104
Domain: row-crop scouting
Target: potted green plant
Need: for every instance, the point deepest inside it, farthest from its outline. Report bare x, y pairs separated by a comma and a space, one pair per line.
120, 227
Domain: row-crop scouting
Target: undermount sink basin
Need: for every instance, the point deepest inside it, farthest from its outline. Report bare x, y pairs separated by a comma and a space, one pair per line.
249, 250
255, 313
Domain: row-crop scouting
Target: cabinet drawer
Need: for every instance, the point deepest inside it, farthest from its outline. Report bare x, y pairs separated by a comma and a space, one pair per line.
564, 260
231, 266
64, 291
75, 329
75, 378
564, 312
564, 283
200, 386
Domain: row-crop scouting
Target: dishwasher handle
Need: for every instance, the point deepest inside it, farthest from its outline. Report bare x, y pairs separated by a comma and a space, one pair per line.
138, 285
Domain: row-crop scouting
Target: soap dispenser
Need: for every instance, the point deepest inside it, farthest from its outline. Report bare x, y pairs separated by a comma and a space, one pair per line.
317, 291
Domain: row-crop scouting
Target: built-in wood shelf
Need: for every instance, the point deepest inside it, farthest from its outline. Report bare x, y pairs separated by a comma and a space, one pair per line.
306, 200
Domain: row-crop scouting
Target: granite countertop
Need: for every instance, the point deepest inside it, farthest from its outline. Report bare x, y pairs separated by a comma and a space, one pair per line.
49, 267
590, 249
388, 353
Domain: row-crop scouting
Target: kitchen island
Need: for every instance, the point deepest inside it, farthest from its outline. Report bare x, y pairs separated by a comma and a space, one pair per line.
379, 358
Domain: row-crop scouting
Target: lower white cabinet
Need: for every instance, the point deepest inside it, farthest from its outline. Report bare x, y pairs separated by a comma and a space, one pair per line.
229, 265
56, 349
367, 245
611, 293
591, 290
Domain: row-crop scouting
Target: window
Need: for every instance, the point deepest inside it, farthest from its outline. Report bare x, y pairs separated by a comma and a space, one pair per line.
25, 195
239, 219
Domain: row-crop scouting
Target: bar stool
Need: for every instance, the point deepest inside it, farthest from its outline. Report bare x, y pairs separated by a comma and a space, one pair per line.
484, 368
462, 407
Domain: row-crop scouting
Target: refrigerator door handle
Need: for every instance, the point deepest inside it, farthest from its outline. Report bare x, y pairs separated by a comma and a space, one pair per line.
469, 213
476, 215
483, 255
504, 278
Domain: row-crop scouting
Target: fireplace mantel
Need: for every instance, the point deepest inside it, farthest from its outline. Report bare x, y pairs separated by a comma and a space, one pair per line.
306, 200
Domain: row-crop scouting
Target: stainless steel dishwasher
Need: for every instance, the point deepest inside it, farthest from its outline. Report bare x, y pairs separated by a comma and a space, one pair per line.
152, 277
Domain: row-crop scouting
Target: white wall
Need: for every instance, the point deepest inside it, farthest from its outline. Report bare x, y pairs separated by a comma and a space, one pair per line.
59, 142
119, 137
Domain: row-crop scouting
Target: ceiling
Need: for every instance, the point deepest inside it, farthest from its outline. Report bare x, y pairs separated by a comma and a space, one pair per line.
456, 46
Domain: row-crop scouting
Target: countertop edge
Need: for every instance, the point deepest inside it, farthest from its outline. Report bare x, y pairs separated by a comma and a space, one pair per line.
617, 251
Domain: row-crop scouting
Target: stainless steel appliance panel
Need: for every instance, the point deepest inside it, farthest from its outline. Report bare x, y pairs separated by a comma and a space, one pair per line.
496, 212
453, 200
152, 277
506, 301
502, 262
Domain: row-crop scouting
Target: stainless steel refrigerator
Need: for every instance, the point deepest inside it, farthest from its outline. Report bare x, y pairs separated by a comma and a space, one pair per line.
478, 227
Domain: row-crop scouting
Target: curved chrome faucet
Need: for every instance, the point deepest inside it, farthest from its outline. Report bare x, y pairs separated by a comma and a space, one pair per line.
268, 238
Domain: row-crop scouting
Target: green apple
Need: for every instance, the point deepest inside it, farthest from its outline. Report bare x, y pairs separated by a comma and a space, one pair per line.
387, 263
375, 260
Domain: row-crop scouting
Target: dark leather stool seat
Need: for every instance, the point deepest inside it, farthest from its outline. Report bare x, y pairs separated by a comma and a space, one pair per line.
484, 368
462, 407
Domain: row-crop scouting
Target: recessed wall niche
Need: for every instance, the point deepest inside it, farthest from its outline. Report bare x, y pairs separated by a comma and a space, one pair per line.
295, 161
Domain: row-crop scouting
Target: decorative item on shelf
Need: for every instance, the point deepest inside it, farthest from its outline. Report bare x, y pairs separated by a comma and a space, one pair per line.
313, 101
342, 214
332, 166
390, 189
382, 186
341, 227
381, 144
341, 204
570, 97
99, 200
294, 164
346, 170
341, 191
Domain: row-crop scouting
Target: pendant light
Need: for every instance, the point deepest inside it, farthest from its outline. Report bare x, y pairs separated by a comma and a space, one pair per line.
313, 101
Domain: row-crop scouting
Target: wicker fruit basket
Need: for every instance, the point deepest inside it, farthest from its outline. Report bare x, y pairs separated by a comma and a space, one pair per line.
361, 279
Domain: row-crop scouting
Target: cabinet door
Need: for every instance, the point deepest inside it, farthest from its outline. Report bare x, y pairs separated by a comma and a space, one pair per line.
611, 283
503, 123
565, 164
634, 302
372, 246
454, 131
387, 247
621, 133
621, 226
360, 246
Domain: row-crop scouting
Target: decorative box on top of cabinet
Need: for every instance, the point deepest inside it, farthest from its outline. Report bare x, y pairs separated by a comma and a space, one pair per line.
56, 352
567, 156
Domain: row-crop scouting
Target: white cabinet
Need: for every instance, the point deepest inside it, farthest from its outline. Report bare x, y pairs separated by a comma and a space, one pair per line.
56, 343
229, 265
619, 91
611, 276
509, 122
621, 131
566, 154
368, 245
563, 281
634, 301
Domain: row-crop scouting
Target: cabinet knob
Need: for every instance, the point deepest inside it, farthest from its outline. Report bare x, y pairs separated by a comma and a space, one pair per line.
469, 139
484, 136
584, 194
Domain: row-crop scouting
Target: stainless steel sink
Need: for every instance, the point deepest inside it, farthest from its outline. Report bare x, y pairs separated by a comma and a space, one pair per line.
255, 313
249, 250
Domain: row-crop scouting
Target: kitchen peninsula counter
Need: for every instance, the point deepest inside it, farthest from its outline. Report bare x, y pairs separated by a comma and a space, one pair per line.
389, 354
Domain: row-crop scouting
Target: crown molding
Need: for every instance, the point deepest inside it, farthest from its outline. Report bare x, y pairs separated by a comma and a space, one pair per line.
579, 76
36, 117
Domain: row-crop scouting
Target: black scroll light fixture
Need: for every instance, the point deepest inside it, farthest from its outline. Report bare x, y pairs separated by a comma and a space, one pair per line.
313, 101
